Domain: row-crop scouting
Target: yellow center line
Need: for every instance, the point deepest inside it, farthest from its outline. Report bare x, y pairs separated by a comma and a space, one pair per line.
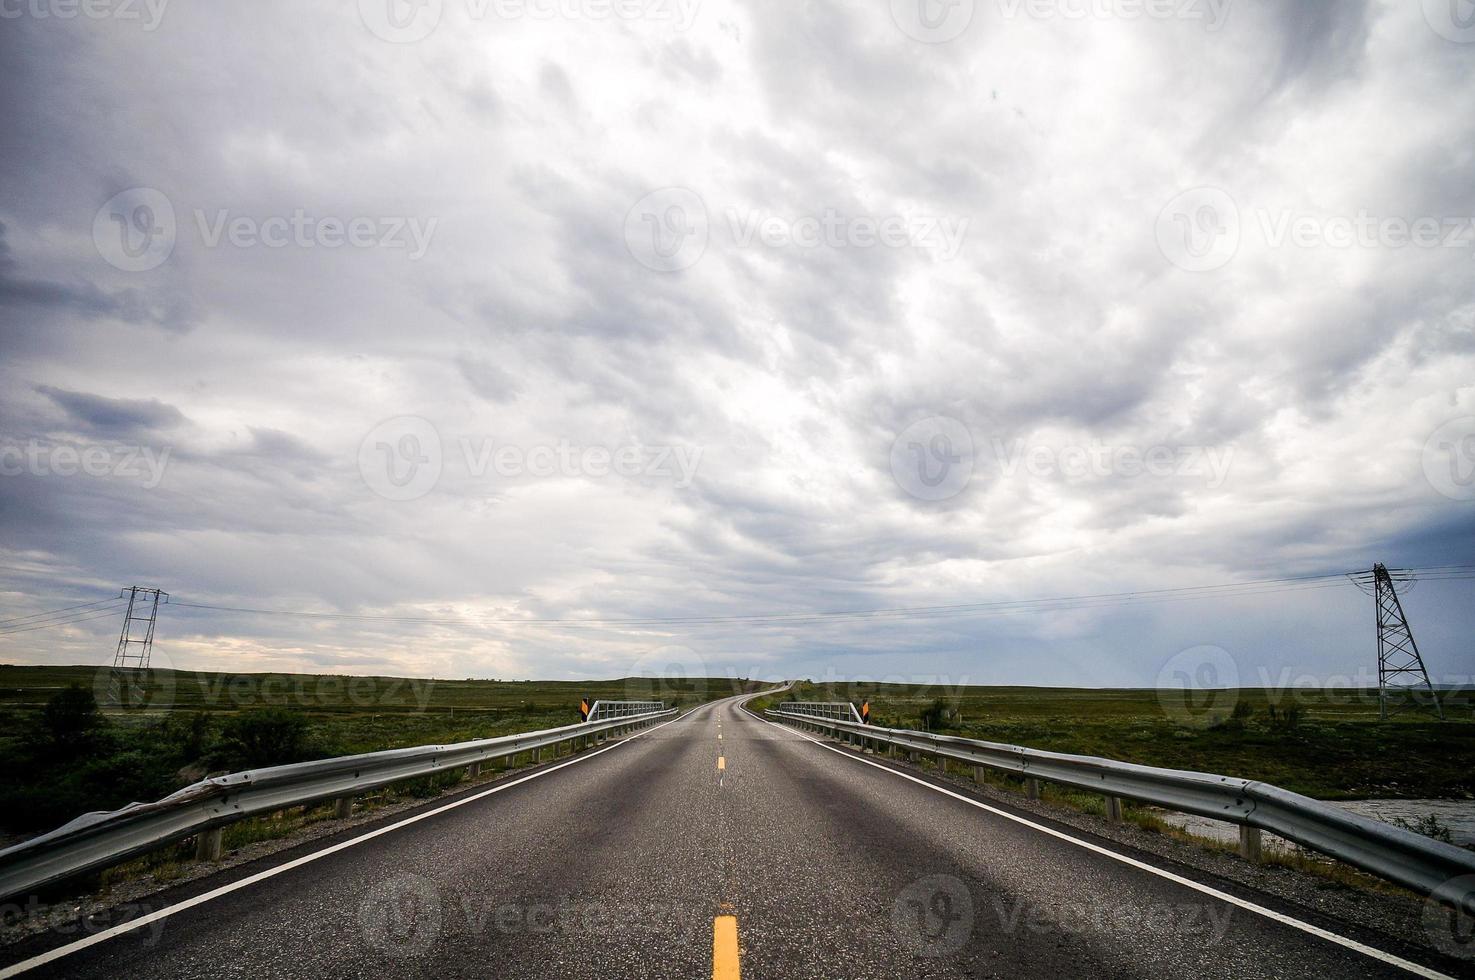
725, 948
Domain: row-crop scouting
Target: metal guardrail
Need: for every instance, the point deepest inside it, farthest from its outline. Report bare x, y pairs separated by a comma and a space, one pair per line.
99, 840
622, 709
843, 710
1433, 868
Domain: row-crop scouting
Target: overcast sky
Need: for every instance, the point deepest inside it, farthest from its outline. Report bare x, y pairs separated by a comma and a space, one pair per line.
479, 310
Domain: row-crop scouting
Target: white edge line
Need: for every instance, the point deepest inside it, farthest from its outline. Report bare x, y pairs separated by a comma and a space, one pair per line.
1271, 914
52, 955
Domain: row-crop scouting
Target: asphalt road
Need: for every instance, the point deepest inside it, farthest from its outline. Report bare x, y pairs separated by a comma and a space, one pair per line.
616, 863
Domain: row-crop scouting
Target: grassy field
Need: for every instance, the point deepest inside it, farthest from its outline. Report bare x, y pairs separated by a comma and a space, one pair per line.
1327, 744
145, 740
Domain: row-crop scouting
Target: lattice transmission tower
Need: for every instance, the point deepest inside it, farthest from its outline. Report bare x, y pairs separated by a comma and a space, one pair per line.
134, 649
1403, 682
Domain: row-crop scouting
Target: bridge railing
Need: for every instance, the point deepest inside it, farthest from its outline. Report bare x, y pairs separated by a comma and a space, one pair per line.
1430, 867
841, 710
623, 709
99, 840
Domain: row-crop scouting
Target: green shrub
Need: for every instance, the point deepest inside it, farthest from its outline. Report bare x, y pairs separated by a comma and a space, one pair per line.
71, 718
939, 716
264, 737
1429, 825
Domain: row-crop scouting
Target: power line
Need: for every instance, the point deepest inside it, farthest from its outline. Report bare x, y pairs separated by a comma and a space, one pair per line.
61, 620
51, 612
1096, 600
103, 614
69, 615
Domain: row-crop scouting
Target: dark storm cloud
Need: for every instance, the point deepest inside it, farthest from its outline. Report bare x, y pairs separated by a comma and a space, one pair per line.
118, 417
26, 298
1322, 40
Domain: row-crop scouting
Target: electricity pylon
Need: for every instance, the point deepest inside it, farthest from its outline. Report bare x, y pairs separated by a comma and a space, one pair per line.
134, 651
1400, 667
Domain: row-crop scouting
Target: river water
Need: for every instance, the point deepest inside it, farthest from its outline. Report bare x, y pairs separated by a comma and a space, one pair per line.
1457, 815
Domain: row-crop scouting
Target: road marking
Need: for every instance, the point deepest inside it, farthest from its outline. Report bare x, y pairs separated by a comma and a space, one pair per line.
721, 763
1248, 906
133, 925
725, 948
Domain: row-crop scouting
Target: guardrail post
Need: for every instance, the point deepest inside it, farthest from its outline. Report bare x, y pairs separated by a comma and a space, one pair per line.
537, 755
1031, 788
978, 775
208, 844
473, 770
1113, 809
1249, 843
343, 807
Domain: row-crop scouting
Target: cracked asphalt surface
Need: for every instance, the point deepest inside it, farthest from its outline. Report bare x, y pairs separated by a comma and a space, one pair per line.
614, 864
